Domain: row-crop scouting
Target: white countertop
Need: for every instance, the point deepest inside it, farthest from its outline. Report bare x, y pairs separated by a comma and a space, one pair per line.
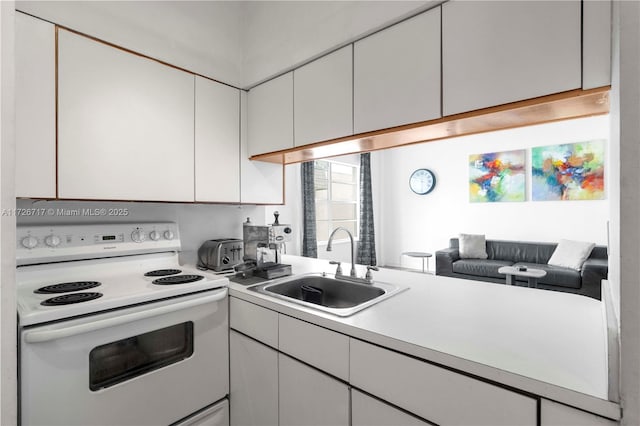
547, 343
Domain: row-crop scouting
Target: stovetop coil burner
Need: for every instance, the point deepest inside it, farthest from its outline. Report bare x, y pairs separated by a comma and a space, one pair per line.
67, 299
67, 287
178, 279
162, 272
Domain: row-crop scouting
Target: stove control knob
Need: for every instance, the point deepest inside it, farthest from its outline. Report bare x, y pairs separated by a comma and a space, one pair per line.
154, 235
29, 242
138, 236
168, 234
52, 240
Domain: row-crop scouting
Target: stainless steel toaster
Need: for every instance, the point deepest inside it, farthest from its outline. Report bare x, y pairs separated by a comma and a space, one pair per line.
220, 254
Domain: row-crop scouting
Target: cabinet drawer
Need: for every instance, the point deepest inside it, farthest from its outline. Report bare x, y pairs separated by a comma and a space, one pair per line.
367, 411
254, 321
434, 393
554, 414
322, 348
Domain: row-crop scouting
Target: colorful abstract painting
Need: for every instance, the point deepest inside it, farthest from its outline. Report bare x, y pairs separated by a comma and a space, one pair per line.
568, 172
497, 176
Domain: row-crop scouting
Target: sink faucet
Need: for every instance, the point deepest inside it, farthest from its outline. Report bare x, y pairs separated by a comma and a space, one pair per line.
353, 263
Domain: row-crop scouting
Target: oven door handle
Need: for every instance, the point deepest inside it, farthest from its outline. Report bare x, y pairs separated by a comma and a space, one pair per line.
37, 336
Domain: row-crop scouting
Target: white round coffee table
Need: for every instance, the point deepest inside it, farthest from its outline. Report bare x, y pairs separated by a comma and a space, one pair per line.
531, 274
421, 255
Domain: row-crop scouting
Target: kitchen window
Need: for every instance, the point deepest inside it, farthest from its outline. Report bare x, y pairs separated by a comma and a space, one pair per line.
337, 197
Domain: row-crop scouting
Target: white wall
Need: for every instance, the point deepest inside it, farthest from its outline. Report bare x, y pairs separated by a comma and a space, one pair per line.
204, 37
197, 222
413, 222
237, 42
8, 355
283, 34
628, 94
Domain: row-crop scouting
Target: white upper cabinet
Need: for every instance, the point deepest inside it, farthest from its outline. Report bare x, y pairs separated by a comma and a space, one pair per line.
323, 98
397, 74
125, 125
270, 110
35, 108
596, 43
496, 52
260, 182
217, 142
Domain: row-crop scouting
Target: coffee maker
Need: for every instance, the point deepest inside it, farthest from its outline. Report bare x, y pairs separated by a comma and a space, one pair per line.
263, 247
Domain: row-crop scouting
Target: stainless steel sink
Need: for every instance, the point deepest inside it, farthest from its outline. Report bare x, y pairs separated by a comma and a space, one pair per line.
327, 293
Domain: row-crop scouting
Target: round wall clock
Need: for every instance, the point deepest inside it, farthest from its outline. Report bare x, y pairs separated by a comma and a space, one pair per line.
422, 181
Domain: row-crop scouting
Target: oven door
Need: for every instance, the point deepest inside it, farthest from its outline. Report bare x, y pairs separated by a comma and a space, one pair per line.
151, 364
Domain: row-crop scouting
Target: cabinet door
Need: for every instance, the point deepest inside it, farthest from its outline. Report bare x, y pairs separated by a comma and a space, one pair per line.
35, 108
436, 394
260, 182
254, 382
217, 146
367, 411
554, 414
271, 115
125, 125
596, 43
323, 98
496, 52
397, 74
310, 398
317, 346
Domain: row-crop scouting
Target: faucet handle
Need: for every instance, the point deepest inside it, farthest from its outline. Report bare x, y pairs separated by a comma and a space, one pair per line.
338, 269
369, 276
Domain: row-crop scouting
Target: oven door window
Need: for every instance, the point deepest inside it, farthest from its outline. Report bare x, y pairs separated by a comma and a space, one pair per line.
125, 359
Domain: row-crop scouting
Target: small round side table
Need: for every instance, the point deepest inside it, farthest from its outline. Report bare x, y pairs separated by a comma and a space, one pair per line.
421, 255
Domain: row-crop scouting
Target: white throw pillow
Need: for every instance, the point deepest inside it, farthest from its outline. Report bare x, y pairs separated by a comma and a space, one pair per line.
472, 246
571, 254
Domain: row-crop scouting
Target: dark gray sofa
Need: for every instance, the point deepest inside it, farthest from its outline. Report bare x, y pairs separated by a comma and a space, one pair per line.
532, 255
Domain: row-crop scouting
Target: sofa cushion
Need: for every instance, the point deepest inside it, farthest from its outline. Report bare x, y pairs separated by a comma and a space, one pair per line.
520, 251
480, 267
472, 246
571, 254
556, 275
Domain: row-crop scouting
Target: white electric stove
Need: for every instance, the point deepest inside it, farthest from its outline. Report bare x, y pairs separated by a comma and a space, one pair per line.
107, 313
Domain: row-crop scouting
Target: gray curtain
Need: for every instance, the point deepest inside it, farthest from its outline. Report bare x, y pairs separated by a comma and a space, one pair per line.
366, 254
309, 243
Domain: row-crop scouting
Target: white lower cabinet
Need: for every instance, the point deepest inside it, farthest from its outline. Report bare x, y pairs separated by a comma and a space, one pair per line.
368, 411
216, 415
434, 393
554, 414
324, 349
309, 397
254, 382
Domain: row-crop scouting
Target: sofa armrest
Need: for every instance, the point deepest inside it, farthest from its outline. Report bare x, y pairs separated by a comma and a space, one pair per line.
593, 272
445, 259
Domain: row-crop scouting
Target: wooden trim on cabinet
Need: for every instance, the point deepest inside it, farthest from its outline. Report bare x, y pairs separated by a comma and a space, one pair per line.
116, 200
546, 109
142, 55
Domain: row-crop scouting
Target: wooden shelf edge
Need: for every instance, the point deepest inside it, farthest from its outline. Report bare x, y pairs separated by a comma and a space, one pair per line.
546, 109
